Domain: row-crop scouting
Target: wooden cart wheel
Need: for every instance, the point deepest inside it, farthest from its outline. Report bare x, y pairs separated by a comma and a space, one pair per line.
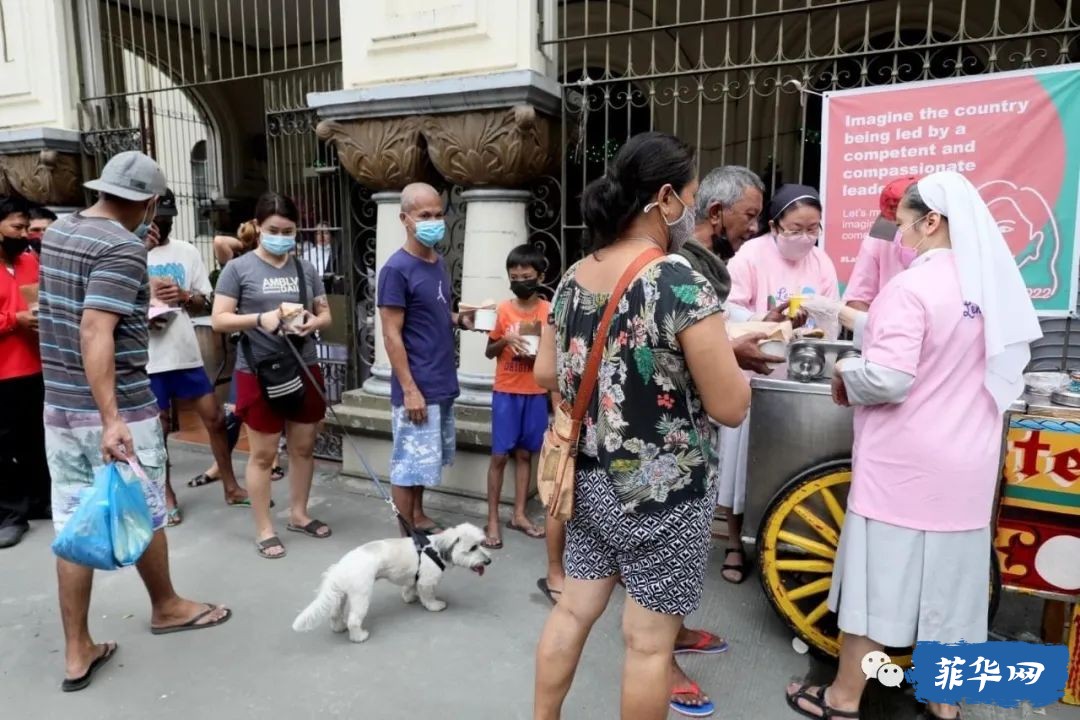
797, 543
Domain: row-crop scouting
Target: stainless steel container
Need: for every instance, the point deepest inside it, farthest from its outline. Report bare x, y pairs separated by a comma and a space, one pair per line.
793, 427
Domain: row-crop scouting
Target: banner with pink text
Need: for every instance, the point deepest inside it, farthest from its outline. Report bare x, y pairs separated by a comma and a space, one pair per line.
1015, 135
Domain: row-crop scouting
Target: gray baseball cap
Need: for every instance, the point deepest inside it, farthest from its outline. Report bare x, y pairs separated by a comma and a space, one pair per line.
130, 175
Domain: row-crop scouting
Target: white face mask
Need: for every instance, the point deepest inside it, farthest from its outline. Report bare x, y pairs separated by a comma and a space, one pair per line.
681, 230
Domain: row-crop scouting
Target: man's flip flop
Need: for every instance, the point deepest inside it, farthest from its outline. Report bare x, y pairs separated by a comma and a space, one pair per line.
705, 709
311, 529
201, 479
80, 683
537, 533
193, 623
261, 546
245, 503
492, 544
707, 644
548, 591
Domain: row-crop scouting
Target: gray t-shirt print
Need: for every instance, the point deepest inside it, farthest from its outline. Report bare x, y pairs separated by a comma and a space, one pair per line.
259, 287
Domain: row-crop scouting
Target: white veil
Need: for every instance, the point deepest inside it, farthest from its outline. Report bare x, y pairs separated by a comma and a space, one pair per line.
990, 279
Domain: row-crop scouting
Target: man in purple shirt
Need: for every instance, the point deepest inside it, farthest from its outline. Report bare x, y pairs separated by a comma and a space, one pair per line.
418, 329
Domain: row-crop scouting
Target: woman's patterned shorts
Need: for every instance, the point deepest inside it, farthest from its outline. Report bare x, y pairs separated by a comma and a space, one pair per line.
661, 556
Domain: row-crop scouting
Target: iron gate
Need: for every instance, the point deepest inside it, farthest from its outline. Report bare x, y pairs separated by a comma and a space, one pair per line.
727, 75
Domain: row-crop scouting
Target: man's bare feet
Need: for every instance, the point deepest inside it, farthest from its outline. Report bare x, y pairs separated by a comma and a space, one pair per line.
179, 612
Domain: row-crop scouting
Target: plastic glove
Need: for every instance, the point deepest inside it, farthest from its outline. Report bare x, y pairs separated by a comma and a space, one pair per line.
824, 311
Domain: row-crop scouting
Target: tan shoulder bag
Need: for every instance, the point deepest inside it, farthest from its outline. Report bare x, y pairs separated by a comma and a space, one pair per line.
558, 457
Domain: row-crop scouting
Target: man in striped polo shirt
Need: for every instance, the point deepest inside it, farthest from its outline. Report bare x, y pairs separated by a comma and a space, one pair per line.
99, 408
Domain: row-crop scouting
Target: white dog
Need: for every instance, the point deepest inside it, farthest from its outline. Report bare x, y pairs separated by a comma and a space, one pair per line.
345, 592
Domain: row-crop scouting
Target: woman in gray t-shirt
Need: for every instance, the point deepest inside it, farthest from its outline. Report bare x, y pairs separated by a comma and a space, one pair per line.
248, 299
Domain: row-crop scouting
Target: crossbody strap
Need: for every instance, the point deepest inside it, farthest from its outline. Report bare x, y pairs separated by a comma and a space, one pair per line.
596, 353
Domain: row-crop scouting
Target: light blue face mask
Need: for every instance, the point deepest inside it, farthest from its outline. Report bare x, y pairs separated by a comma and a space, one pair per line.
430, 232
278, 244
143, 228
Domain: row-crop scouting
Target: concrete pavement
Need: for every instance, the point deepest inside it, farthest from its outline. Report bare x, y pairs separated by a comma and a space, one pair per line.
474, 660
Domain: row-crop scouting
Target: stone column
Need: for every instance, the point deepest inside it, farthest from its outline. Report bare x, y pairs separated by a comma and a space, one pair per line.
389, 236
384, 154
491, 152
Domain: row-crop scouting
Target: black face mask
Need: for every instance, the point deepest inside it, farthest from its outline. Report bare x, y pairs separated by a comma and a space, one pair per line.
722, 246
524, 289
14, 247
35, 245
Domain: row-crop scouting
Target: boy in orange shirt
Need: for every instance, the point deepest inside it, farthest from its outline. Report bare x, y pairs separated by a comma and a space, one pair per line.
519, 407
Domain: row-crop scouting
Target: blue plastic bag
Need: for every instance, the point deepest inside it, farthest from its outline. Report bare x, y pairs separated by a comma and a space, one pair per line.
132, 526
111, 527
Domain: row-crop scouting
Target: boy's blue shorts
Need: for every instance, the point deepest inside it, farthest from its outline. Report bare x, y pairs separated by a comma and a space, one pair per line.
518, 422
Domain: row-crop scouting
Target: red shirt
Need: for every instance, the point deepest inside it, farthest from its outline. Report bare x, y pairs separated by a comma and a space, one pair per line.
19, 353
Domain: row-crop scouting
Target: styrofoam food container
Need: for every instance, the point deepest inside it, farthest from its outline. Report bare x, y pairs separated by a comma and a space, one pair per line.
532, 344
776, 348
484, 319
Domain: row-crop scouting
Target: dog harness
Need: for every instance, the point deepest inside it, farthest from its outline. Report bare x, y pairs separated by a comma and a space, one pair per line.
424, 547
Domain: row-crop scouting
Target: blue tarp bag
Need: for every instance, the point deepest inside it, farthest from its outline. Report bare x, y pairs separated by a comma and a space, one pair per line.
111, 527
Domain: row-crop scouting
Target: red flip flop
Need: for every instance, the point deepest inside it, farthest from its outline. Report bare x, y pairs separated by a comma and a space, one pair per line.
707, 644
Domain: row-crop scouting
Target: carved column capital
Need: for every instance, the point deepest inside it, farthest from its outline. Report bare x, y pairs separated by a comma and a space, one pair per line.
47, 177
379, 153
503, 148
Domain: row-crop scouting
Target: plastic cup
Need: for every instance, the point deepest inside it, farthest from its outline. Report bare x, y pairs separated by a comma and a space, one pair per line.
794, 305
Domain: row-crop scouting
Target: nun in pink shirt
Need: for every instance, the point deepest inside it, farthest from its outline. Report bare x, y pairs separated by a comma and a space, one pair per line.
765, 273
944, 347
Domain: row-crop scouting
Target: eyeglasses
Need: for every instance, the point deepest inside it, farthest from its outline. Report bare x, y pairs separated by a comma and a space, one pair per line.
913, 223
811, 232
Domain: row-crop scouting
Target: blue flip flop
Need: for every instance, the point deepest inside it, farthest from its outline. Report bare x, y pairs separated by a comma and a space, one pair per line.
706, 709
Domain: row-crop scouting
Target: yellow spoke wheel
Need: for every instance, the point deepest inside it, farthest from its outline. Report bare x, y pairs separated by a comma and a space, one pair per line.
797, 543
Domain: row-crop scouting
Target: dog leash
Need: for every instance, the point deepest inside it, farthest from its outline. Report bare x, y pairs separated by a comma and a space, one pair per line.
419, 538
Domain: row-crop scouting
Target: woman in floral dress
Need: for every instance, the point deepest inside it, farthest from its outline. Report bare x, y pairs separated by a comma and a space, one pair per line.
645, 479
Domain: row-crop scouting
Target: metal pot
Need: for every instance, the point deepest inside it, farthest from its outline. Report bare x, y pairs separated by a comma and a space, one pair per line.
806, 363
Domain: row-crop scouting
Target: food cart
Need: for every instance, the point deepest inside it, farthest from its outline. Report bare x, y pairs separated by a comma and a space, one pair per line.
799, 472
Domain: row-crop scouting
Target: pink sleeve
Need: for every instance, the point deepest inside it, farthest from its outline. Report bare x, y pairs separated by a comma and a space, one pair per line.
863, 285
895, 330
741, 270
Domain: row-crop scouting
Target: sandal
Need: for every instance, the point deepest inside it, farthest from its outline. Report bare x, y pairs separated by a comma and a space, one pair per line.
173, 517
311, 529
202, 479
492, 543
707, 644
277, 472
193, 623
82, 682
261, 546
535, 533
818, 701
739, 567
705, 709
550, 593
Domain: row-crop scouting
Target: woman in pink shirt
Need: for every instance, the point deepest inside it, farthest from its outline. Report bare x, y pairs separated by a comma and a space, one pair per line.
944, 348
765, 273
878, 260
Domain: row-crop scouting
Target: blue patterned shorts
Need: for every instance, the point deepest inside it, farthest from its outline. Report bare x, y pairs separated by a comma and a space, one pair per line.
422, 451
73, 449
